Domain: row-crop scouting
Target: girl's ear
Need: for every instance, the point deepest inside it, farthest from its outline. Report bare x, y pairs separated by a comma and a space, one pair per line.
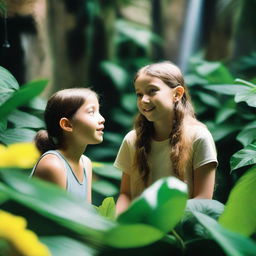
178, 93
65, 124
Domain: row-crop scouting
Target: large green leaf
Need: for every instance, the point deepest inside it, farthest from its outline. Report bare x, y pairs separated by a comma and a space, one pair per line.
232, 243
55, 204
188, 227
227, 89
208, 99
138, 34
23, 95
215, 72
133, 235
106, 170
3, 125
161, 205
8, 85
65, 246
104, 187
15, 135
22, 119
248, 95
240, 211
220, 131
118, 75
243, 157
227, 109
248, 134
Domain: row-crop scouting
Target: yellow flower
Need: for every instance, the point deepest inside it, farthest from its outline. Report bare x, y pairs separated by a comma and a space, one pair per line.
13, 229
22, 155
97, 164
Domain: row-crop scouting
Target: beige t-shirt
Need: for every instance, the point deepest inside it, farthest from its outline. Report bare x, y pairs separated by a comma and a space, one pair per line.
160, 165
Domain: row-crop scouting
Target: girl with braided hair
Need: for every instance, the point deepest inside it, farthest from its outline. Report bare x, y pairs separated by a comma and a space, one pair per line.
167, 139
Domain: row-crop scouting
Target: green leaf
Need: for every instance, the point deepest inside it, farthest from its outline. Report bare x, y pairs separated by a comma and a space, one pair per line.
248, 95
108, 208
232, 243
215, 72
3, 125
240, 212
8, 84
61, 245
227, 109
104, 187
54, 203
208, 99
161, 205
227, 89
211, 208
129, 103
248, 134
22, 119
23, 95
122, 118
138, 34
243, 157
188, 227
15, 135
223, 114
37, 103
118, 74
106, 170
134, 235
113, 137
220, 131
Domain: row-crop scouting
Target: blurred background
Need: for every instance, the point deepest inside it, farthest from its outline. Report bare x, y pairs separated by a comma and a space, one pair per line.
102, 43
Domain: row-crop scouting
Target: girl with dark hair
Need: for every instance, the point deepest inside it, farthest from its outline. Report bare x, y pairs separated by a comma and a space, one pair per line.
73, 121
167, 138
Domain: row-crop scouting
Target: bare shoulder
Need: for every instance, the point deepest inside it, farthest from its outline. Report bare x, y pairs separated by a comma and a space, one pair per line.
51, 168
87, 162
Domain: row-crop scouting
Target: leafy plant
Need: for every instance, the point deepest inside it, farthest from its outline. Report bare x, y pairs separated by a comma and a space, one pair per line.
18, 125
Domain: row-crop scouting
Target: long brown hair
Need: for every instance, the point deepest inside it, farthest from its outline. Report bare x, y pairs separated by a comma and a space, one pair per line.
63, 103
180, 141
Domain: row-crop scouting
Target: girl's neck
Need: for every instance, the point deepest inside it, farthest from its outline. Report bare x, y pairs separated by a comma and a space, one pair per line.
162, 131
71, 154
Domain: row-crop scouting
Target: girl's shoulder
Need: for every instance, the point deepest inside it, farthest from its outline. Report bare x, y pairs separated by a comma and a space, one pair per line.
87, 161
50, 167
130, 137
197, 130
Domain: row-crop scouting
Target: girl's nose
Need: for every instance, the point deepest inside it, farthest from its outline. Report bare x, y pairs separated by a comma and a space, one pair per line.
101, 119
145, 99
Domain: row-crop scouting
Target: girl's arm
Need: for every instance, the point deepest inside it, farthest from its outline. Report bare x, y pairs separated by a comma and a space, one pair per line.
124, 198
50, 168
204, 180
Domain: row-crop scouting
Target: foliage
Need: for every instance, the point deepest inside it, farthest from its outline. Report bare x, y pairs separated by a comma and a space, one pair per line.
148, 225
19, 125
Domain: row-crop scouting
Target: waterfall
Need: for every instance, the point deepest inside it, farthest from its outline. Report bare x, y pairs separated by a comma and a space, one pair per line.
190, 36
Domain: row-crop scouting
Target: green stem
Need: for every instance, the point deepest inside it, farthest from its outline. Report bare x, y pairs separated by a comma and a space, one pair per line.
179, 239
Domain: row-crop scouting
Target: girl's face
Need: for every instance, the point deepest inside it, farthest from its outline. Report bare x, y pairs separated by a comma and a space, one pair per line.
88, 123
154, 98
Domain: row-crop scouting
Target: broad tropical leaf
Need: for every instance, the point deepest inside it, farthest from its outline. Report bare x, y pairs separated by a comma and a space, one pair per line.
232, 243
243, 157
161, 205
240, 211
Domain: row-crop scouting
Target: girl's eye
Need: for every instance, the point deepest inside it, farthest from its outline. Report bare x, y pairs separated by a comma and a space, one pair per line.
139, 95
91, 112
153, 90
